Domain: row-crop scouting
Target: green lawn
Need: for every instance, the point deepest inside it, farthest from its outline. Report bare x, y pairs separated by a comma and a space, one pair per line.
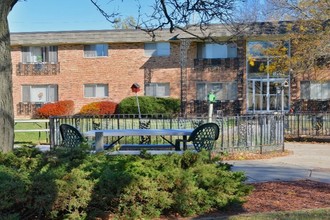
32, 138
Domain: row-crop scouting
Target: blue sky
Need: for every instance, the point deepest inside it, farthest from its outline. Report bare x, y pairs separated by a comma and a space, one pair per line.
66, 15
62, 15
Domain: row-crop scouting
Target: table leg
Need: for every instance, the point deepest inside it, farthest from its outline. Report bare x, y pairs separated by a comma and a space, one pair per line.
184, 137
99, 141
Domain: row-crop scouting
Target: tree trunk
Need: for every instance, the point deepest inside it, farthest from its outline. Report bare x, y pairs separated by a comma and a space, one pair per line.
6, 85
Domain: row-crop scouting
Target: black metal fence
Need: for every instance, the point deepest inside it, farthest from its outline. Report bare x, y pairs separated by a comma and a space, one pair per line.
257, 133
307, 126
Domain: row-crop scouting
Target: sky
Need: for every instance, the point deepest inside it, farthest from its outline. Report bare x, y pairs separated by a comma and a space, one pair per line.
63, 15
68, 15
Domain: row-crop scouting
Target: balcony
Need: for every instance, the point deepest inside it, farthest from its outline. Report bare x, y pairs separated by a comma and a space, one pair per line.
37, 69
232, 63
27, 108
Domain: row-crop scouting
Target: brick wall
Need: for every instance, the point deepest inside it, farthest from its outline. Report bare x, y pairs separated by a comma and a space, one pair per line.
126, 64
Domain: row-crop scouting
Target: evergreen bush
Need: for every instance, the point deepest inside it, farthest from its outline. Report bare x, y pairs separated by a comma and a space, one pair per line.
149, 105
65, 185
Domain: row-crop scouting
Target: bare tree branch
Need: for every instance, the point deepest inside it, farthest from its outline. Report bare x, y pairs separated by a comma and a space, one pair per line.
180, 14
110, 17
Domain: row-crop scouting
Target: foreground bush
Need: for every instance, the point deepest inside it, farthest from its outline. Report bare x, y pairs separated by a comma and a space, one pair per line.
149, 105
59, 108
77, 185
99, 108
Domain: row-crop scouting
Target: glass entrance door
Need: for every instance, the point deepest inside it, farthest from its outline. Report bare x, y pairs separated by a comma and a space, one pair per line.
267, 95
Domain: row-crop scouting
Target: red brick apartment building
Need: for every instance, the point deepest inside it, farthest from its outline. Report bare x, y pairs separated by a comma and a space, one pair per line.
89, 66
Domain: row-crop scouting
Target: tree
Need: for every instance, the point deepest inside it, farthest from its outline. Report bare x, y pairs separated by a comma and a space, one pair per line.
309, 31
126, 23
176, 14
6, 87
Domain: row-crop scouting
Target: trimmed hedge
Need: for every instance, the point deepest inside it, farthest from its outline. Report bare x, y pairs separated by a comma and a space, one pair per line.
99, 108
149, 105
59, 108
77, 185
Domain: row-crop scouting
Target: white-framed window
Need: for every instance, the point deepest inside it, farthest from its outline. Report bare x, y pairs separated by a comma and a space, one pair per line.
216, 51
315, 90
96, 50
222, 90
96, 90
39, 93
157, 49
157, 89
39, 54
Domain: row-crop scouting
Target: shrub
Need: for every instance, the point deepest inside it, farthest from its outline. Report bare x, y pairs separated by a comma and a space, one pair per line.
14, 187
149, 105
58, 186
59, 108
99, 108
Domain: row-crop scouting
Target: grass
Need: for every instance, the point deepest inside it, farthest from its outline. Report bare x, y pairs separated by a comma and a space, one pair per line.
292, 215
31, 138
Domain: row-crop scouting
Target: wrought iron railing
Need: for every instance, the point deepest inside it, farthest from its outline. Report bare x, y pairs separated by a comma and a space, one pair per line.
307, 125
228, 63
258, 133
223, 107
27, 108
34, 69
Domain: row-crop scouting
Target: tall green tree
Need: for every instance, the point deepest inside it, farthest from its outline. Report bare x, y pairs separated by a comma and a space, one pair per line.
6, 88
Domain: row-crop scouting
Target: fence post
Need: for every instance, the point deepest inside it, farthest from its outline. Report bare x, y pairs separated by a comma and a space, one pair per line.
51, 132
298, 124
282, 139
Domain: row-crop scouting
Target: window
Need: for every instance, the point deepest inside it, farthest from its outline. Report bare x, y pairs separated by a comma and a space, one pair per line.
222, 91
267, 58
262, 48
39, 54
216, 51
39, 93
157, 49
157, 89
96, 50
96, 90
315, 90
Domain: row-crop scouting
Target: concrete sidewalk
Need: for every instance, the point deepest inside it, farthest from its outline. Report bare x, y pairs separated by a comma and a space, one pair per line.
308, 161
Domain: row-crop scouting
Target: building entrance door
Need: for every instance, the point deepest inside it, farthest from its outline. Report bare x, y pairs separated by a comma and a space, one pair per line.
268, 95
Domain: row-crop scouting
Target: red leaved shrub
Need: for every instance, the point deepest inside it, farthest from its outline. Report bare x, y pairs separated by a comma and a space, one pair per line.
99, 108
59, 108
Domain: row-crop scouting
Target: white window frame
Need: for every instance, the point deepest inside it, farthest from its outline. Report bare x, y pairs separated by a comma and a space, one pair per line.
157, 89
39, 54
157, 49
315, 90
216, 51
98, 90
223, 90
39, 93
96, 50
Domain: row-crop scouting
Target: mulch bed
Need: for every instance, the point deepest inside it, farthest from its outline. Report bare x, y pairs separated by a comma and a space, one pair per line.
280, 196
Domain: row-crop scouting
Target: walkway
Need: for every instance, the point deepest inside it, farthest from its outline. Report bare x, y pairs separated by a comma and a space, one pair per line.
308, 161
